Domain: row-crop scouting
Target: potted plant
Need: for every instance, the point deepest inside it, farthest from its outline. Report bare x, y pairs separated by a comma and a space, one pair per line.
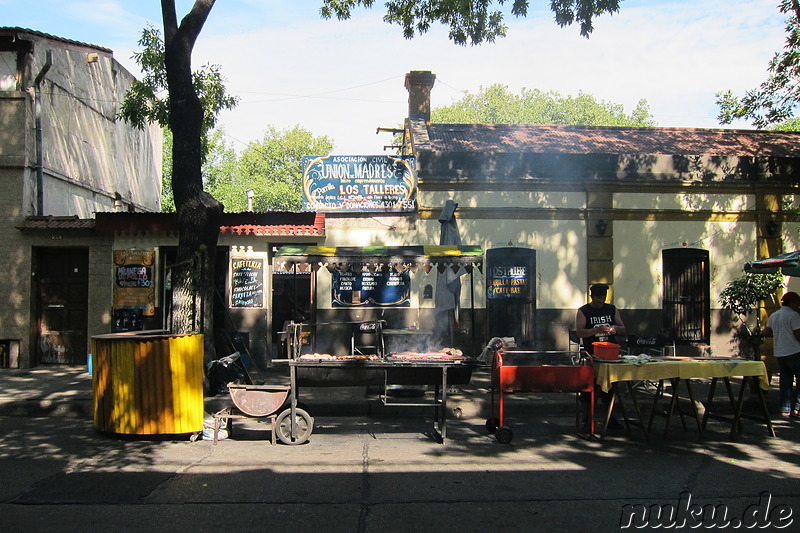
741, 297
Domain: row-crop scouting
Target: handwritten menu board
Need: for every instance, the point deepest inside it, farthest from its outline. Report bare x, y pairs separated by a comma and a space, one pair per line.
133, 281
247, 282
365, 289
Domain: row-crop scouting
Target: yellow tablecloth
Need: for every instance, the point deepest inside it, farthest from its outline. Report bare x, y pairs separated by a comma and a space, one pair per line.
607, 373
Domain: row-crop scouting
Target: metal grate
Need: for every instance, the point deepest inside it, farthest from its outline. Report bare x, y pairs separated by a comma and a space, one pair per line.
686, 304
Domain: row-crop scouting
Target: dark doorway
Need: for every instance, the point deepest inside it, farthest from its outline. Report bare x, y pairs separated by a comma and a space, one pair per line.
686, 287
292, 290
61, 284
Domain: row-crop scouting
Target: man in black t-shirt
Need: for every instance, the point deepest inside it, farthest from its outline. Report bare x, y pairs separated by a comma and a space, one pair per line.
598, 321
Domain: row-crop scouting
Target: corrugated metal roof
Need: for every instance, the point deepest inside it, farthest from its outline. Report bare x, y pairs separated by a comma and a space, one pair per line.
526, 138
21, 32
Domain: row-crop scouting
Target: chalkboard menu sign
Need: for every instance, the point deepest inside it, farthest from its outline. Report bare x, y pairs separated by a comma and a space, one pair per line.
247, 282
133, 281
366, 289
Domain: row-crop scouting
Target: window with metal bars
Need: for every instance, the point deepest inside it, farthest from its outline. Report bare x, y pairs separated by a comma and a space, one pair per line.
686, 298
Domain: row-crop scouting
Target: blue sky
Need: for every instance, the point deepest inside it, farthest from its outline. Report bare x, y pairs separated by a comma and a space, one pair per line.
345, 78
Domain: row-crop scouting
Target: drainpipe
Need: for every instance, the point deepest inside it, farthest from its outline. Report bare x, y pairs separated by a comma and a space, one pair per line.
39, 149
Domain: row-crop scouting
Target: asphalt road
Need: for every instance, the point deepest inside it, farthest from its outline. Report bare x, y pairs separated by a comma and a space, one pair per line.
386, 474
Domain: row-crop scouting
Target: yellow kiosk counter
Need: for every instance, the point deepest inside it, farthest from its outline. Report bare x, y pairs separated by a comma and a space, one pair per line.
148, 383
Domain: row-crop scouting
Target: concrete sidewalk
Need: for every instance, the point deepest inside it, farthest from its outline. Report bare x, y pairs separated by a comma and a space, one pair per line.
46, 390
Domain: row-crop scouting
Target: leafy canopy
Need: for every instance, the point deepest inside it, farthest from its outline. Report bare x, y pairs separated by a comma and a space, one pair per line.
777, 98
497, 105
475, 21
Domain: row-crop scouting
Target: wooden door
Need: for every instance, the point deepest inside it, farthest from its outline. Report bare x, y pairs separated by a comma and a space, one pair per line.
61, 290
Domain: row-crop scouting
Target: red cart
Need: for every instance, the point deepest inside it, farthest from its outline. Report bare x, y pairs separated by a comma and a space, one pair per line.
516, 371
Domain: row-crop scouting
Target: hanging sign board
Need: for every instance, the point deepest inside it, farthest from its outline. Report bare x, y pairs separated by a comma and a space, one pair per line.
358, 183
509, 273
134, 288
366, 289
247, 282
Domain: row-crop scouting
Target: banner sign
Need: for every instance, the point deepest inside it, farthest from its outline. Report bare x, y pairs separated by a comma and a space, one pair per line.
247, 282
367, 289
359, 183
134, 287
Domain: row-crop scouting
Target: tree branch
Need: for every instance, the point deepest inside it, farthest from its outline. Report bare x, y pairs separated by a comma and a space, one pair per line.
170, 20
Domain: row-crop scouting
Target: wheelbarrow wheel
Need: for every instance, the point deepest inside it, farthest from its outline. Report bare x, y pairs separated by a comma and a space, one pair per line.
504, 435
492, 424
304, 425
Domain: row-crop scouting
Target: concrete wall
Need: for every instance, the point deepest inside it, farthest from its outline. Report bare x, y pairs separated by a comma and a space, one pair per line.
559, 225
90, 158
88, 152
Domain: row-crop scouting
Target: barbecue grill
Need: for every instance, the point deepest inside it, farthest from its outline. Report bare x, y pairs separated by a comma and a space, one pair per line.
437, 369
517, 371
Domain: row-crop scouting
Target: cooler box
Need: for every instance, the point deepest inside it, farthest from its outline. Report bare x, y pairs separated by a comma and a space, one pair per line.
606, 350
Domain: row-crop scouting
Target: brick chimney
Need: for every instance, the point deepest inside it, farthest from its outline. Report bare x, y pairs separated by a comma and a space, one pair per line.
419, 84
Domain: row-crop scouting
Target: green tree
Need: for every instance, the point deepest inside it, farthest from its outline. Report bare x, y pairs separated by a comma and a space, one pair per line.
777, 98
271, 167
187, 103
497, 105
199, 214
741, 297
145, 101
219, 167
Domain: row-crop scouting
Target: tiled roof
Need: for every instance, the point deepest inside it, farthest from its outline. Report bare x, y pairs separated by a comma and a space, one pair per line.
525, 138
21, 32
56, 223
313, 225
245, 223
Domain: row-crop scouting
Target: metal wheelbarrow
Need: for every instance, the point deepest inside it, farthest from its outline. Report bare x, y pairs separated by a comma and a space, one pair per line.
259, 401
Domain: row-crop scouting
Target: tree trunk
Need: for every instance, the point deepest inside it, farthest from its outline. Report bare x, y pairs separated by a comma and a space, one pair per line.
199, 214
